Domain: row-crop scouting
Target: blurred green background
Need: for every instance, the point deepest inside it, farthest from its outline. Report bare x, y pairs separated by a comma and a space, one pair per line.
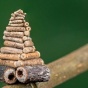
58, 28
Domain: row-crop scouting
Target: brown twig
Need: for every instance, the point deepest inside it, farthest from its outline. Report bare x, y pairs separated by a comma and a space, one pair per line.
64, 69
37, 73
14, 34
10, 50
67, 67
18, 40
15, 64
13, 44
31, 85
15, 29
9, 76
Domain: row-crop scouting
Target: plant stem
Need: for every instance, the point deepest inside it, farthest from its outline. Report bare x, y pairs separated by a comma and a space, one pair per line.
63, 69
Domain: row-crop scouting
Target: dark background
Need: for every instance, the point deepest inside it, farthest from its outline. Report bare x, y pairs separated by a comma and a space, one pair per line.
58, 28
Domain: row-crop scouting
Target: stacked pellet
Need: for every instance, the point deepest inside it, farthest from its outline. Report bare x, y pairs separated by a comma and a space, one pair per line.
20, 53
18, 45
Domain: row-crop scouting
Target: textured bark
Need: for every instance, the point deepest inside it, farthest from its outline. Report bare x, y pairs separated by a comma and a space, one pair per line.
13, 44
2, 69
19, 25
28, 43
17, 18
16, 25
10, 56
64, 68
18, 63
18, 40
8, 63
10, 50
7, 74
19, 14
15, 14
37, 61
16, 21
28, 49
23, 56
30, 85
30, 62
27, 33
37, 73
10, 76
15, 29
14, 34
33, 55
67, 67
